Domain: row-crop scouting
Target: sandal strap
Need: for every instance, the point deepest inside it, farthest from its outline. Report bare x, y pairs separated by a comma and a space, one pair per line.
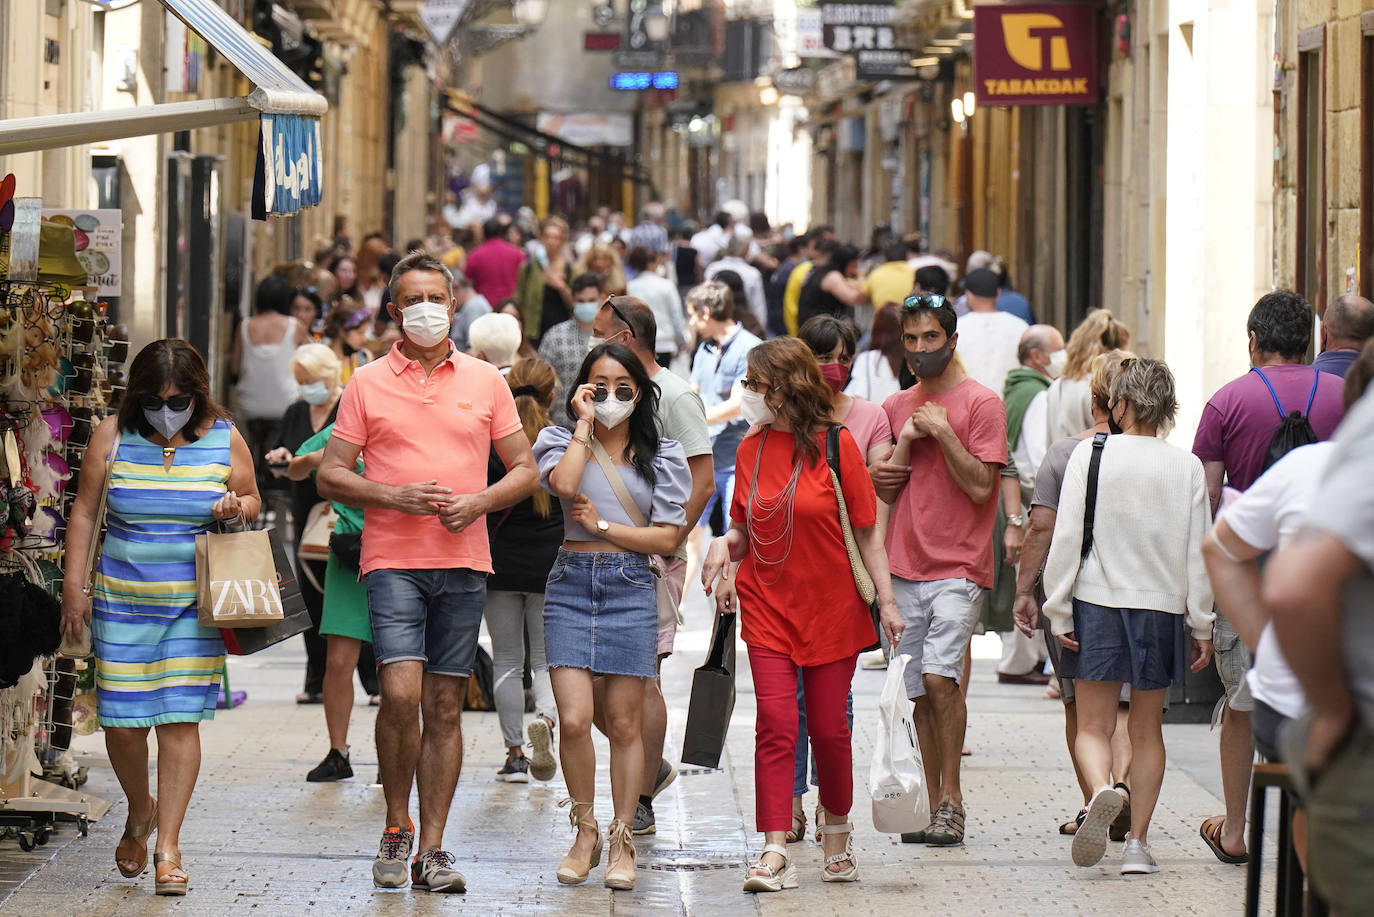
779, 849
848, 855
576, 820
844, 828
144, 830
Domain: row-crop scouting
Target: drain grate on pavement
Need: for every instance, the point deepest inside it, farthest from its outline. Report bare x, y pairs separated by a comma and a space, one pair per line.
692, 861
696, 771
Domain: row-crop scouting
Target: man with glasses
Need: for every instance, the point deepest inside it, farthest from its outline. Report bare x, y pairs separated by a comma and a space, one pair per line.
681, 417
565, 345
952, 439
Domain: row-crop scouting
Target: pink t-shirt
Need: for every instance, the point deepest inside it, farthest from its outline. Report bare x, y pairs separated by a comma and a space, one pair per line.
868, 425
1239, 422
414, 427
936, 532
493, 268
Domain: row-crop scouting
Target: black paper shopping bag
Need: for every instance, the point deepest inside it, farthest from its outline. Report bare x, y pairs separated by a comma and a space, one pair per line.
713, 699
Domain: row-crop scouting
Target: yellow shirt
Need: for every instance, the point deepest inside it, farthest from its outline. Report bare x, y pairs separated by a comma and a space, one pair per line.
791, 296
891, 281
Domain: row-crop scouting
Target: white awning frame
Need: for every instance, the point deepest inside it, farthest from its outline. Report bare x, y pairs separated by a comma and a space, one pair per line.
276, 91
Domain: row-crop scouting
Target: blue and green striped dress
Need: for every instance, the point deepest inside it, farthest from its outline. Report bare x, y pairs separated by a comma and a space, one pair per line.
154, 663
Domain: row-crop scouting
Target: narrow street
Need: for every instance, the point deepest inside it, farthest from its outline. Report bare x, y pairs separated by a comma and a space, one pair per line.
261, 840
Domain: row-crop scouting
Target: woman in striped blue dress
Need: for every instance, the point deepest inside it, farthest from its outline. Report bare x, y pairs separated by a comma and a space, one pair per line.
179, 469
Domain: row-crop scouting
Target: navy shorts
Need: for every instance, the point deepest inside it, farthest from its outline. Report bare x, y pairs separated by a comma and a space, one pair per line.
427, 616
1140, 647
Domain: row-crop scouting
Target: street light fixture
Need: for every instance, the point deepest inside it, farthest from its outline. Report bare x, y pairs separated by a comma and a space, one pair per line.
970, 102
956, 109
531, 13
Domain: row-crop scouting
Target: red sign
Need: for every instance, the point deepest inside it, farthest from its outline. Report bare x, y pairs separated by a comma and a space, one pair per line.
600, 41
1035, 53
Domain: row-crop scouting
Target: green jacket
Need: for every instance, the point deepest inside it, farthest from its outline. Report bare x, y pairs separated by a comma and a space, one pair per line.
529, 290
1018, 391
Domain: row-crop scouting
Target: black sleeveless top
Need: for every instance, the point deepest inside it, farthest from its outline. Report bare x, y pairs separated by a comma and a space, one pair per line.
815, 301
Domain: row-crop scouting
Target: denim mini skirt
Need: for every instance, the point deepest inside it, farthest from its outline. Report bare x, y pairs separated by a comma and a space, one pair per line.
1141, 647
601, 613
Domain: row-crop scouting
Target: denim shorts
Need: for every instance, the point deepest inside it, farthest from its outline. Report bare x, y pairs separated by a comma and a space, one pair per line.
428, 616
601, 614
1141, 647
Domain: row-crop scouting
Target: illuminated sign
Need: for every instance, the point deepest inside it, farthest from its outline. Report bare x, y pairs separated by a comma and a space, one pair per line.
1035, 54
632, 80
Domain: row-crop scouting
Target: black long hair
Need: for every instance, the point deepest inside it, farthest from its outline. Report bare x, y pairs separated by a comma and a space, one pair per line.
175, 361
642, 448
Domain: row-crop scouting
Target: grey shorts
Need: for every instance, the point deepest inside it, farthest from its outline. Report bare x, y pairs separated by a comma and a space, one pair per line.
939, 617
1233, 659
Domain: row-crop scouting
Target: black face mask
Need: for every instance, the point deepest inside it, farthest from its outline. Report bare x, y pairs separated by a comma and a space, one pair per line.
1112, 426
931, 363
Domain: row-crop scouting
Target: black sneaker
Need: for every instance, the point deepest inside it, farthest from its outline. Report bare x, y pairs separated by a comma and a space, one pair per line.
665, 776
335, 766
517, 770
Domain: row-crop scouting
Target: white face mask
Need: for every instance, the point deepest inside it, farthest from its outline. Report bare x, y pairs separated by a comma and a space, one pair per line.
613, 412
594, 342
753, 410
1057, 360
426, 323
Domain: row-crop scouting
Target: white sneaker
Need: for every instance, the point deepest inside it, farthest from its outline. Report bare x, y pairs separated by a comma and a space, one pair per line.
1138, 861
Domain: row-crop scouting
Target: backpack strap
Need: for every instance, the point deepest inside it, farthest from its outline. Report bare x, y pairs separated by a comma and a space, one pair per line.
1090, 499
1312, 395
1275, 395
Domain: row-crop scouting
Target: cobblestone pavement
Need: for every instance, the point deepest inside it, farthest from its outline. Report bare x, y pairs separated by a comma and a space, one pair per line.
261, 840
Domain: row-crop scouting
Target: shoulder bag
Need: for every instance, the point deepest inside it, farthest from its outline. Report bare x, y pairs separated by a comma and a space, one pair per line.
667, 608
80, 647
863, 581
1090, 498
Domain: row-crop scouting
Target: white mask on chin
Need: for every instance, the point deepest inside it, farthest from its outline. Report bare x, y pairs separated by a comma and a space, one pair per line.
426, 323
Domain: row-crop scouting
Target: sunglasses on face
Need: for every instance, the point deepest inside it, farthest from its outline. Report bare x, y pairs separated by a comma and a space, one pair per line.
924, 300
156, 402
622, 393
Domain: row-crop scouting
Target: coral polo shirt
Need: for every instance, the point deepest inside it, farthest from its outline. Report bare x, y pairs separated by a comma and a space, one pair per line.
415, 427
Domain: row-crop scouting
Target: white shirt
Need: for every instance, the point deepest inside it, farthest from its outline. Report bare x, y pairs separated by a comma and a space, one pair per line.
753, 283
1152, 515
871, 378
987, 345
1267, 516
709, 242
1030, 445
661, 295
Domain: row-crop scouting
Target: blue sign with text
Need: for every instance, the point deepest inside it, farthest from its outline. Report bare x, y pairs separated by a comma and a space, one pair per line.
632, 80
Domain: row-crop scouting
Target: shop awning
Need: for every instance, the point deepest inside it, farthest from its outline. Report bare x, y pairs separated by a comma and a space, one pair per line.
278, 95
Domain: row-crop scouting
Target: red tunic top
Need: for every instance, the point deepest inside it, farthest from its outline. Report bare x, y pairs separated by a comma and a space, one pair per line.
808, 607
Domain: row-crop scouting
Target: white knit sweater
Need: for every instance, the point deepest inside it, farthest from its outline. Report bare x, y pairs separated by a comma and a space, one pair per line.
1152, 515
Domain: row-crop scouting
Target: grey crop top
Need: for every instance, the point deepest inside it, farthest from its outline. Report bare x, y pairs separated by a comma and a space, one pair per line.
665, 502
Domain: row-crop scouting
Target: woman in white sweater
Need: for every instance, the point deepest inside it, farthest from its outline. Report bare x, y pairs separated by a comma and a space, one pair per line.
1120, 607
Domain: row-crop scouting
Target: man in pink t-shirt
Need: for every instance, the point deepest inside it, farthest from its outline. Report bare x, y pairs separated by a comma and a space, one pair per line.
424, 411
951, 448
494, 266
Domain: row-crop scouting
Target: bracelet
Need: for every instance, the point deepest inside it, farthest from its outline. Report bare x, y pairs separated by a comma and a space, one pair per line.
584, 443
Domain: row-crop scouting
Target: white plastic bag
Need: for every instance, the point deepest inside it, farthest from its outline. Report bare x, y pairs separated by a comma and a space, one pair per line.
894, 776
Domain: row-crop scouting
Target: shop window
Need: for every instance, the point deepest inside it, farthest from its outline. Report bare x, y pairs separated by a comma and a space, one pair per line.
1311, 184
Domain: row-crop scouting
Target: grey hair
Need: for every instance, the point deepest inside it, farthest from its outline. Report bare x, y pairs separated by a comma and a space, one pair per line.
1147, 386
653, 212
736, 245
714, 297
1036, 337
419, 261
460, 279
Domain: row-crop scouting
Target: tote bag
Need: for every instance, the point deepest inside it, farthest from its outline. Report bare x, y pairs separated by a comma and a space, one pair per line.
894, 776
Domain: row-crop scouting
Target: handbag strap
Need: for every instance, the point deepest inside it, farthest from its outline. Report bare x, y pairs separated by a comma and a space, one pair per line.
96, 543
1090, 500
622, 493
832, 458
723, 633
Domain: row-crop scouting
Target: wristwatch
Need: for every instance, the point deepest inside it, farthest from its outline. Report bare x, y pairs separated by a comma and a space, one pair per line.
603, 526
1018, 520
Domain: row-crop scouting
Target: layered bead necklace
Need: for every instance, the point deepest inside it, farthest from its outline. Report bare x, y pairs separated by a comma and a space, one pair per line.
770, 522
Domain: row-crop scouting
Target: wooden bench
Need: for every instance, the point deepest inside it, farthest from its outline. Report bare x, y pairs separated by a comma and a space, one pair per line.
1288, 894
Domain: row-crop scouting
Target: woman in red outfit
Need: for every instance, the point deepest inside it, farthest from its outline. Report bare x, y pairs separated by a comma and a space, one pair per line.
797, 611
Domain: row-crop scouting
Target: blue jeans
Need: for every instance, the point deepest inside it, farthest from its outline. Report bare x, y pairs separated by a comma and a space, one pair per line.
724, 495
803, 748
427, 616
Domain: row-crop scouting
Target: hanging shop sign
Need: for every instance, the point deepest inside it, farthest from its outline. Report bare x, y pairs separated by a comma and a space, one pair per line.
629, 81
440, 16
1035, 54
797, 81
98, 236
290, 172
891, 64
849, 27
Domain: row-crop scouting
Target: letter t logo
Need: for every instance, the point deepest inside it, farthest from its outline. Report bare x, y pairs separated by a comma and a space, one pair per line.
1026, 48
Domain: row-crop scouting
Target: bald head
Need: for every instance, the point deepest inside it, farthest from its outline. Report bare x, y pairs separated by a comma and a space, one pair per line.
1348, 323
1037, 343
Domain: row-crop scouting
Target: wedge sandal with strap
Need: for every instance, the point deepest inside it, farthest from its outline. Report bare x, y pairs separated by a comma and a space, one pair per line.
847, 855
169, 876
776, 879
574, 871
620, 869
140, 833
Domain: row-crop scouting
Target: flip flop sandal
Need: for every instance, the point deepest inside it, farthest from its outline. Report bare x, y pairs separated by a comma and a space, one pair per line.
1070, 828
1213, 840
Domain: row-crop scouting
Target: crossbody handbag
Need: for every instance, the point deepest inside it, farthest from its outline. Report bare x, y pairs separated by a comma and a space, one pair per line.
667, 608
863, 580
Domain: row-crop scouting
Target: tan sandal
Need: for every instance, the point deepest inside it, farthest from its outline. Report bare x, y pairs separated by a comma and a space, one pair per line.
820, 821
166, 881
141, 833
573, 871
798, 831
764, 878
620, 872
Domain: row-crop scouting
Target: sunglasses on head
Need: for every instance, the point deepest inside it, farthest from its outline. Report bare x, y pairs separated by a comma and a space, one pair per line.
623, 392
156, 402
620, 316
924, 300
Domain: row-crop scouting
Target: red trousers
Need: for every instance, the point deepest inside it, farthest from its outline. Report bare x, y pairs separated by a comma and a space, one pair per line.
775, 734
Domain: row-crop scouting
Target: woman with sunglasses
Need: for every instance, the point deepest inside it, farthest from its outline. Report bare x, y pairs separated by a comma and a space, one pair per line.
600, 604
181, 469
346, 331
800, 612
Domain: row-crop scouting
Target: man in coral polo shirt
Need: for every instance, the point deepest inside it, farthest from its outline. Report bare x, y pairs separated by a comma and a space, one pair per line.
424, 411
953, 436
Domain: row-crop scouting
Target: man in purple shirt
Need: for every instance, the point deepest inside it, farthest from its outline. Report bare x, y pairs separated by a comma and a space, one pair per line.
1346, 325
494, 265
1232, 441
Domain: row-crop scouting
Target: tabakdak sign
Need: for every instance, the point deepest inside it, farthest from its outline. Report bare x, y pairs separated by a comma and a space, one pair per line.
1035, 54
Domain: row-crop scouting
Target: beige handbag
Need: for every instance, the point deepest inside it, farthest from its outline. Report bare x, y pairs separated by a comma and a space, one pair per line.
80, 647
862, 580
319, 525
667, 609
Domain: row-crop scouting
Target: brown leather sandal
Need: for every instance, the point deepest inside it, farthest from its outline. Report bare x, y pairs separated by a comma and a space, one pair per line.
170, 878
141, 834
